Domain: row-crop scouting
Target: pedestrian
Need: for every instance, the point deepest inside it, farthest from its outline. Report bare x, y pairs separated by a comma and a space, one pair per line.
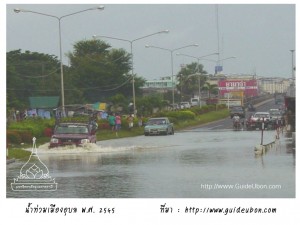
140, 121
277, 127
112, 121
130, 121
118, 123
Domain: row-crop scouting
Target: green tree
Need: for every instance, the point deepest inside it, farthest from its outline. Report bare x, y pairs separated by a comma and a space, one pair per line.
188, 82
101, 72
210, 88
145, 105
30, 74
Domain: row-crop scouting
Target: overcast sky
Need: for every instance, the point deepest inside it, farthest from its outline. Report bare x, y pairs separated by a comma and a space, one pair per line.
260, 36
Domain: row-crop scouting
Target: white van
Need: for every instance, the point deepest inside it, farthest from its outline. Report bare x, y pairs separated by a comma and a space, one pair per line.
194, 102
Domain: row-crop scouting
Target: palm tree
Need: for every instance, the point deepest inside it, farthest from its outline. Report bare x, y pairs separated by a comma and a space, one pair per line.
210, 88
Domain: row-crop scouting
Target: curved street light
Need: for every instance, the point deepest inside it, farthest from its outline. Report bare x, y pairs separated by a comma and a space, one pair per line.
17, 10
198, 74
131, 52
218, 61
221, 60
171, 53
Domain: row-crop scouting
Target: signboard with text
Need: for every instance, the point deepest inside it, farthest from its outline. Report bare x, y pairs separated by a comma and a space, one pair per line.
248, 87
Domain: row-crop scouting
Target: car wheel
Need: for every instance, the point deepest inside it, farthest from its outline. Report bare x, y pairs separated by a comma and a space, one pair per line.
172, 131
146, 134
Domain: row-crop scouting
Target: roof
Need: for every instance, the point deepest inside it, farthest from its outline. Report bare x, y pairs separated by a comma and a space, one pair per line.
45, 102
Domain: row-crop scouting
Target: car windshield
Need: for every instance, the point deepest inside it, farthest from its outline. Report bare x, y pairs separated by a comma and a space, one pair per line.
261, 115
275, 113
156, 121
237, 110
71, 129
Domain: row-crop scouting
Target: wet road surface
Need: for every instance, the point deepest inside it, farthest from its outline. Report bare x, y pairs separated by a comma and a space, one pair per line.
196, 163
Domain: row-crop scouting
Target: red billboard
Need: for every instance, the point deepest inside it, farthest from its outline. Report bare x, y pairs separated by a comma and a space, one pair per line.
248, 87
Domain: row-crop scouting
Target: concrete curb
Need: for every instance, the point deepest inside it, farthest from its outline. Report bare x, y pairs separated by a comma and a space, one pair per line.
261, 149
8, 161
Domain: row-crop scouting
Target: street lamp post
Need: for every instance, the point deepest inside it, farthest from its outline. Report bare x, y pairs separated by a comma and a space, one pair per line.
293, 67
171, 53
60, 43
131, 52
198, 72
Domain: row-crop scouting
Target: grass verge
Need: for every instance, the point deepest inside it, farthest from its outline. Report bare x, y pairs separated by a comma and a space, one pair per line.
203, 119
18, 153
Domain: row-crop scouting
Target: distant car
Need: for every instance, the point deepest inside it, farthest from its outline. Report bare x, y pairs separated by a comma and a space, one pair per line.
238, 111
194, 102
174, 106
279, 99
159, 125
255, 121
69, 133
275, 116
251, 108
185, 105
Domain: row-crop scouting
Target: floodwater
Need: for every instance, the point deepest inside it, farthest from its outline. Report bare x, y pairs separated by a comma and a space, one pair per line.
189, 164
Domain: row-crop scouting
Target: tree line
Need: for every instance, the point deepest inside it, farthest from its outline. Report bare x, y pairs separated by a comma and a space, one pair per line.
96, 73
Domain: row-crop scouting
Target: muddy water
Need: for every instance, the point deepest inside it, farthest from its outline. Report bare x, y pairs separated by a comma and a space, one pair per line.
191, 164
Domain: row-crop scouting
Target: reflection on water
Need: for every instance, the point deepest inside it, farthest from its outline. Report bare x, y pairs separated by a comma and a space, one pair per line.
189, 164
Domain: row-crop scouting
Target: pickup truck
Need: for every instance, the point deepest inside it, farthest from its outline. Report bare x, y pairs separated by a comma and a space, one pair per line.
73, 133
255, 121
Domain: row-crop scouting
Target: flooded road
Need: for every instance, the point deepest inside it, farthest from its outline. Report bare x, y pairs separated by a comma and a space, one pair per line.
189, 164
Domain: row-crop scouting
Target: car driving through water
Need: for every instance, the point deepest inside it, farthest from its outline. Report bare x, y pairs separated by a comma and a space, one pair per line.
73, 133
255, 121
160, 125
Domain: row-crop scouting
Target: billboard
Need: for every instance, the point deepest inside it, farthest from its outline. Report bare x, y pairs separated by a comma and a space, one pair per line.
218, 69
248, 87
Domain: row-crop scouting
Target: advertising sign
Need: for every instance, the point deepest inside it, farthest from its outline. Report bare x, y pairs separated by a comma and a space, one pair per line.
248, 87
218, 69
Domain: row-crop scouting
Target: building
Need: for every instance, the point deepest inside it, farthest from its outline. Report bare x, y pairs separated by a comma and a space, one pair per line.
42, 106
273, 85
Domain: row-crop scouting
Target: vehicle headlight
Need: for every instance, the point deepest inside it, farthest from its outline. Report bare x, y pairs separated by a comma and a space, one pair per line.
54, 140
84, 141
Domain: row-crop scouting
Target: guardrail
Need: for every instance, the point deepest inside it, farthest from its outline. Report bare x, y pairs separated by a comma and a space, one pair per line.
257, 99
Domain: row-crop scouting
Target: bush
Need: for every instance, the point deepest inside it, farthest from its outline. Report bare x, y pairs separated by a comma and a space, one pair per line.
13, 137
103, 124
36, 126
48, 132
177, 115
19, 136
26, 136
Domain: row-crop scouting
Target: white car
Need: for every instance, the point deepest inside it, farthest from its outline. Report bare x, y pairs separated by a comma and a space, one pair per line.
185, 105
256, 120
259, 116
174, 106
